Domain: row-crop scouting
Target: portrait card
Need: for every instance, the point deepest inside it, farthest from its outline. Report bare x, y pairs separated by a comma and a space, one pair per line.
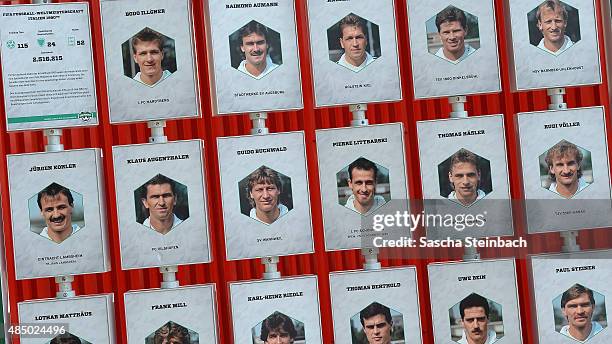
265, 196
47, 66
552, 44
258, 306
58, 213
465, 172
88, 319
457, 41
472, 301
375, 155
161, 204
570, 292
353, 46
566, 177
368, 305
149, 57
185, 315
253, 54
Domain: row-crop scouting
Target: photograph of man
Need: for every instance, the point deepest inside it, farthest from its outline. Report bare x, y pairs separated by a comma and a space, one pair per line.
254, 39
362, 174
148, 53
474, 311
452, 28
67, 338
464, 176
552, 20
377, 323
565, 169
277, 329
353, 40
264, 190
578, 304
159, 199
56, 205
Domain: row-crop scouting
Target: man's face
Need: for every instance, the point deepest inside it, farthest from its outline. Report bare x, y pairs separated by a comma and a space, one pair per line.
579, 311
353, 42
149, 56
363, 184
465, 179
452, 35
160, 201
475, 323
57, 212
265, 196
552, 25
255, 49
279, 336
377, 329
565, 168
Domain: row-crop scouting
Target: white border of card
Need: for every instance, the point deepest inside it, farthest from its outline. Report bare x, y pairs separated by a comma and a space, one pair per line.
191, 307
495, 280
296, 297
484, 136
532, 67
183, 163
548, 211
91, 318
397, 289
553, 274
379, 80
236, 91
68, 37
82, 252
337, 149
607, 20
175, 95
248, 237
478, 73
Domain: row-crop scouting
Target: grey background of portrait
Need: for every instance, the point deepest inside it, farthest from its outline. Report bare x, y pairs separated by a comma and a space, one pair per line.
227, 80
199, 317
445, 291
330, 78
191, 235
548, 284
97, 328
247, 314
484, 63
37, 222
295, 227
526, 58
594, 201
87, 179
402, 301
125, 93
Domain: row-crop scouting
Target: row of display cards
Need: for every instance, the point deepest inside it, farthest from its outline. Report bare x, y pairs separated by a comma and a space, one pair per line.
254, 61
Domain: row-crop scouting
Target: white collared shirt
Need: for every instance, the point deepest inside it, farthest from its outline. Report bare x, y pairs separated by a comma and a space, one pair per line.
175, 222
582, 184
467, 52
491, 338
344, 63
595, 329
480, 195
567, 43
165, 74
45, 231
270, 66
378, 202
283, 210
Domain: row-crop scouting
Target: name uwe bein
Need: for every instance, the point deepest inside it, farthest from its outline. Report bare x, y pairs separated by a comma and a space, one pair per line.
471, 278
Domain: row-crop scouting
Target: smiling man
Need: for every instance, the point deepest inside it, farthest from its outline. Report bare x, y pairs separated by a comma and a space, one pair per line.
577, 304
452, 29
159, 199
254, 45
564, 162
56, 204
362, 182
148, 53
552, 22
474, 311
278, 329
377, 323
264, 189
464, 177
352, 36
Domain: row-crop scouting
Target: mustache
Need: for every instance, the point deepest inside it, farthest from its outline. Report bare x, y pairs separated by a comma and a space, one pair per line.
257, 53
58, 218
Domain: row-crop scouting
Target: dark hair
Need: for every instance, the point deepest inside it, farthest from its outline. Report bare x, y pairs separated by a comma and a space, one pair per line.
374, 309
471, 301
351, 20
66, 338
463, 155
147, 35
362, 164
560, 149
53, 190
174, 331
277, 321
253, 27
553, 5
451, 14
574, 292
158, 180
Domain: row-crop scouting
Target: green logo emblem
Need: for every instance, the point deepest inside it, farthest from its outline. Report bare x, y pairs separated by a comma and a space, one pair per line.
11, 44
41, 42
85, 116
